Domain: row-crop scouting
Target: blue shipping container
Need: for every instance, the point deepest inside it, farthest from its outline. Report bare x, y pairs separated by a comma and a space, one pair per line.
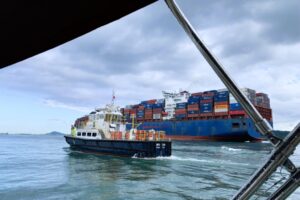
193, 112
158, 105
235, 106
144, 102
160, 101
221, 96
206, 107
213, 91
193, 100
206, 97
148, 106
180, 116
181, 105
221, 99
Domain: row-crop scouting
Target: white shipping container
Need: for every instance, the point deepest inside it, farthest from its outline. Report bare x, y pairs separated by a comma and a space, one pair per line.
222, 90
221, 110
232, 99
157, 116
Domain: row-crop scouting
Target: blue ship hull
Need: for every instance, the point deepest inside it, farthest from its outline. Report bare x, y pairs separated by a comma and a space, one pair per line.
239, 129
128, 148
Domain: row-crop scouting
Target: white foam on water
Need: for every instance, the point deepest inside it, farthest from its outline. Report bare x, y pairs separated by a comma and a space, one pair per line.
176, 158
188, 159
232, 163
230, 149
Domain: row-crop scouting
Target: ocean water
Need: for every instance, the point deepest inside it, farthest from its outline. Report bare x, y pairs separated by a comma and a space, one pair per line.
44, 167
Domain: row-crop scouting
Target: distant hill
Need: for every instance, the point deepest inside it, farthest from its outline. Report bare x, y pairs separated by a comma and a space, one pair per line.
280, 134
55, 133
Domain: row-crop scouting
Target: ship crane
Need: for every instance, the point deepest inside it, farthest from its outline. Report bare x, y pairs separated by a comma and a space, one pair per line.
283, 149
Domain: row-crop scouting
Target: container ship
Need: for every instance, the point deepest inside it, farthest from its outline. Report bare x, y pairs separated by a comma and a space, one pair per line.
209, 115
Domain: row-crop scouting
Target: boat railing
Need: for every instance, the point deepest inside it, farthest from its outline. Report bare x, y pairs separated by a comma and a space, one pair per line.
282, 148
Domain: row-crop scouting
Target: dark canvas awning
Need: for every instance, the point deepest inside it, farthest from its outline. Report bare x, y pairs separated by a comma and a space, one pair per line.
31, 27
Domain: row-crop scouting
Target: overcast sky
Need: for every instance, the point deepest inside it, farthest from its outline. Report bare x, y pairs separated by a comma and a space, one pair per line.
258, 42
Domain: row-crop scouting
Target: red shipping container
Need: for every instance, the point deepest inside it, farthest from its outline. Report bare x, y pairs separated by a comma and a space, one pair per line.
193, 107
265, 112
237, 112
148, 116
164, 113
180, 111
206, 114
222, 103
208, 94
126, 111
132, 111
198, 94
221, 113
157, 110
206, 101
193, 115
135, 106
141, 107
152, 101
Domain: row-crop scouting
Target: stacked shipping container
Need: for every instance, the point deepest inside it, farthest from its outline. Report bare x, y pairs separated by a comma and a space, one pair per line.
193, 106
221, 103
262, 100
180, 111
201, 104
157, 111
207, 103
235, 107
147, 110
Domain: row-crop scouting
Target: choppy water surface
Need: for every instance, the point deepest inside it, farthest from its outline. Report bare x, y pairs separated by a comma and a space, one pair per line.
43, 167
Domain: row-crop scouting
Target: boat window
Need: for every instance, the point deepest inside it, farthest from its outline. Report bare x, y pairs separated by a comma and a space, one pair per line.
235, 125
94, 134
84, 134
89, 134
107, 117
101, 116
115, 118
79, 134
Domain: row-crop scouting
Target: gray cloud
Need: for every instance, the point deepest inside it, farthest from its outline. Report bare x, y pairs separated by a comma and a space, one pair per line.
147, 52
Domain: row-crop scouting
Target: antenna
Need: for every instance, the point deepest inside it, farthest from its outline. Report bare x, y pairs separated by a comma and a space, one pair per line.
113, 97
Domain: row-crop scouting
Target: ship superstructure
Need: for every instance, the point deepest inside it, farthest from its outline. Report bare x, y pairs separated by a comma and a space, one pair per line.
102, 122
